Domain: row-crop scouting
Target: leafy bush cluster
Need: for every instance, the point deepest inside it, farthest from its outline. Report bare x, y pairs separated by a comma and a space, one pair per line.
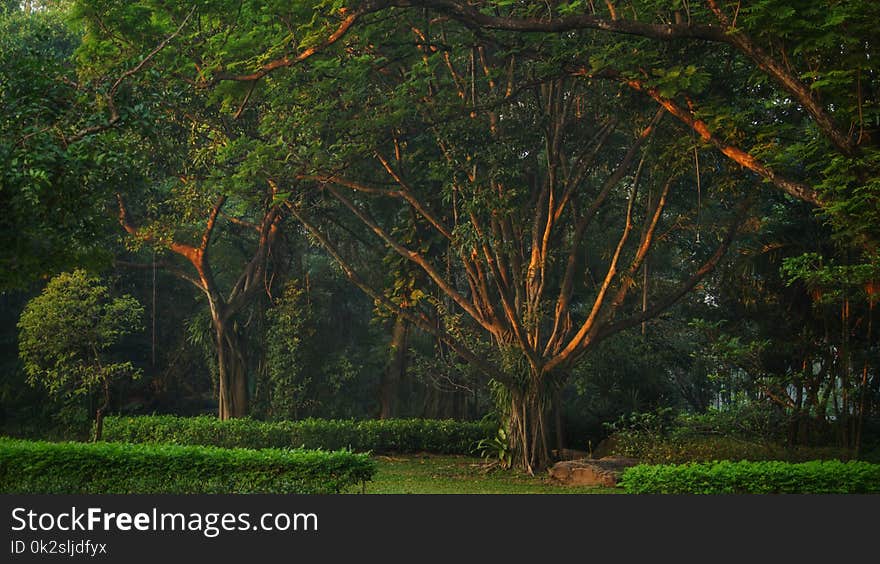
653, 449
750, 433
387, 435
749, 421
116, 468
770, 477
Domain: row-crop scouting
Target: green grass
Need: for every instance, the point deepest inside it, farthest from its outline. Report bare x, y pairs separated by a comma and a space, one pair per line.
438, 474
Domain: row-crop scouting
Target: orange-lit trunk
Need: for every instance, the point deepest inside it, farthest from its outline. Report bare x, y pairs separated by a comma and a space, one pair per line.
232, 375
527, 425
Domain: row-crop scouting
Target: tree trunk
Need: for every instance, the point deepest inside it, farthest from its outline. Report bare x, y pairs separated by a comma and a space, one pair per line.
560, 427
527, 426
394, 371
233, 389
99, 415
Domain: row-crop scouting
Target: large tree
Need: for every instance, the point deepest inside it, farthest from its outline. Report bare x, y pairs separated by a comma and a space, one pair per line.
527, 200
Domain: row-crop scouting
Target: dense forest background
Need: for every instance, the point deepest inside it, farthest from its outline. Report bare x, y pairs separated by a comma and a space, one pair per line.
553, 215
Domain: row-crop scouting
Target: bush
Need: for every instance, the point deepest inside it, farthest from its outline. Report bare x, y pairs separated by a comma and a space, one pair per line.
657, 449
744, 433
388, 435
107, 468
815, 477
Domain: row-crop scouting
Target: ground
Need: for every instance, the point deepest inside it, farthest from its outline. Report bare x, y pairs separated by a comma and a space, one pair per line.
436, 474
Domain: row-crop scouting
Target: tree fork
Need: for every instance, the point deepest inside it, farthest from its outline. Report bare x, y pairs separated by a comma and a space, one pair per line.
232, 377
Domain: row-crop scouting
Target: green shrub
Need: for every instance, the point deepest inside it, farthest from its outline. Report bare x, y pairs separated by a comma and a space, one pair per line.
388, 435
117, 468
653, 448
743, 433
771, 477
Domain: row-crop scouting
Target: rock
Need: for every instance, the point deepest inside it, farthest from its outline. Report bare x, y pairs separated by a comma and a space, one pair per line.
591, 472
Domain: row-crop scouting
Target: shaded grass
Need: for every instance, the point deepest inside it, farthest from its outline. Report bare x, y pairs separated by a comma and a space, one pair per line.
450, 474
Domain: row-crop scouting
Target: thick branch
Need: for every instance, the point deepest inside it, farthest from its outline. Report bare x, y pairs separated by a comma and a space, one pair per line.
470, 16
567, 286
644, 246
289, 61
576, 341
407, 194
212, 221
189, 252
247, 282
791, 187
724, 33
791, 83
241, 222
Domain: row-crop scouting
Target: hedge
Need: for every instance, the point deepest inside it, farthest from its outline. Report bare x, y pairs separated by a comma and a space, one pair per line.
37, 467
378, 436
770, 477
652, 448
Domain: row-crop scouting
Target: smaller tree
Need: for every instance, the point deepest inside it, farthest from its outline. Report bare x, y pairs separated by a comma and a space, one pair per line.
65, 335
288, 352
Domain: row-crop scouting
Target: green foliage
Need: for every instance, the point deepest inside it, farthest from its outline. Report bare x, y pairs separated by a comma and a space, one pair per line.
496, 450
831, 282
323, 356
288, 344
749, 421
654, 422
756, 421
751, 432
815, 477
385, 435
627, 373
113, 468
52, 215
67, 332
653, 449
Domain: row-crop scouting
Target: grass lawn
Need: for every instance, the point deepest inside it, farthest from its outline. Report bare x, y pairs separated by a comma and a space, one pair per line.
437, 474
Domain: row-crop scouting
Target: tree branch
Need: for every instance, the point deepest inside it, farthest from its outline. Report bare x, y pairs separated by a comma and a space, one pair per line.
791, 187
472, 17
567, 286
669, 300
189, 252
288, 61
416, 258
724, 33
212, 221
789, 82
164, 266
586, 327
111, 94
419, 321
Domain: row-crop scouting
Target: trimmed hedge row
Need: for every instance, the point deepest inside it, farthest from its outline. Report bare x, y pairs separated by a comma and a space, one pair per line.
656, 449
388, 435
37, 467
771, 477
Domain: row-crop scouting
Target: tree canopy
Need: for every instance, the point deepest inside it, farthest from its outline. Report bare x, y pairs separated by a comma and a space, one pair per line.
512, 185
